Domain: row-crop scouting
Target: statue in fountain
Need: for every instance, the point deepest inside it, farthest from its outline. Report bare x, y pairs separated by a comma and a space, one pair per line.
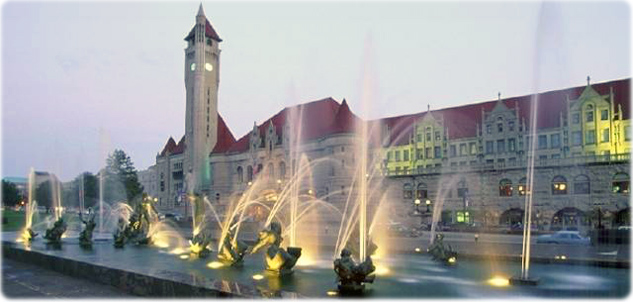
54, 234
85, 237
440, 252
232, 251
351, 277
199, 244
28, 235
138, 227
120, 235
353, 246
278, 260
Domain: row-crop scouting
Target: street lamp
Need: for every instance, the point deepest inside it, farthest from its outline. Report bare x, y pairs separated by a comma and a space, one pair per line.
428, 205
417, 205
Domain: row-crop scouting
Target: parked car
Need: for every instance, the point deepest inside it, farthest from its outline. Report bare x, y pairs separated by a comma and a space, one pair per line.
172, 216
564, 237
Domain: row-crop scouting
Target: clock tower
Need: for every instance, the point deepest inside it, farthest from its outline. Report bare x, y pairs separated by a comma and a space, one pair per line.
202, 78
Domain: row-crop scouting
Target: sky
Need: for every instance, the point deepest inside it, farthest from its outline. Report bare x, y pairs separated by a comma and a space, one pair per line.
80, 79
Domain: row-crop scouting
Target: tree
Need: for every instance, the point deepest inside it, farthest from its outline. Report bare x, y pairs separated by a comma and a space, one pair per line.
44, 194
121, 180
10, 194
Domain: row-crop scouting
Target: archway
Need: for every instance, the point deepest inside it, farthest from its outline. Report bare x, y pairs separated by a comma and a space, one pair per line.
511, 217
569, 218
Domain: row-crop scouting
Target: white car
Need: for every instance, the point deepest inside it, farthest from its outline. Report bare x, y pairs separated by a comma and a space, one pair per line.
564, 237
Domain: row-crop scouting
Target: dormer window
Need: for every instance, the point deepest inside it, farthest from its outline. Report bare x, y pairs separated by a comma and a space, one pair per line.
209, 42
589, 113
500, 127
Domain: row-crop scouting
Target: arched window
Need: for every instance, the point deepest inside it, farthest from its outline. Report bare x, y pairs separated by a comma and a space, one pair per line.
249, 173
581, 184
621, 183
462, 189
271, 171
282, 170
559, 185
422, 192
407, 191
240, 175
522, 187
505, 187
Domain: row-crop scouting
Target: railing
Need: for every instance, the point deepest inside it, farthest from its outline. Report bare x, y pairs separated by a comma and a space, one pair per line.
545, 162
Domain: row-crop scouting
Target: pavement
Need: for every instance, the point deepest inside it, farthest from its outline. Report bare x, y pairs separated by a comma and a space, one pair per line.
22, 280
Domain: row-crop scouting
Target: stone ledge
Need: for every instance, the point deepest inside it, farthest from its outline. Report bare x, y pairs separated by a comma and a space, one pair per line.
163, 284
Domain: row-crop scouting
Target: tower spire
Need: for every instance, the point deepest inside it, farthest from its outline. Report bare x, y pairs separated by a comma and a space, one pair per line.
200, 11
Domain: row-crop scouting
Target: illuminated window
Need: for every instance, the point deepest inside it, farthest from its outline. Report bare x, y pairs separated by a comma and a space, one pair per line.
463, 217
559, 185
621, 183
581, 184
605, 135
505, 187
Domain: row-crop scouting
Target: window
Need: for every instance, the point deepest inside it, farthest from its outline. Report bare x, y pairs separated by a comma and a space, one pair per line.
438, 152
453, 151
604, 115
500, 127
427, 153
419, 137
428, 136
437, 136
576, 138
240, 175
407, 191
488, 129
505, 187
512, 145
473, 148
271, 171
555, 156
575, 118
462, 189
555, 140
511, 126
501, 146
463, 150
627, 133
621, 182
282, 170
512, 161
542, 141
489, 147
581, 184
397, 155
389, 156
522, 187
463, 217
590, 137
249, 173
559, 185
422, 192
420, 153
405, 155
589, 116
605, 135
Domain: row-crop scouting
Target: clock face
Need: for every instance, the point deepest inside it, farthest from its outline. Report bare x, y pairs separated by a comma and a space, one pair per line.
193, 66
208, 66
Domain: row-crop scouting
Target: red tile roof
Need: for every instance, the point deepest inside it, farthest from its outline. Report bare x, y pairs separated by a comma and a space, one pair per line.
318, 119
209, 32
462, 121
225, 140
225, 137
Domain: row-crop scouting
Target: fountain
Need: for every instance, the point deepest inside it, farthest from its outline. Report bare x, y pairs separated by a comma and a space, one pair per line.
351, 277
278, 260
85, 237
55, 233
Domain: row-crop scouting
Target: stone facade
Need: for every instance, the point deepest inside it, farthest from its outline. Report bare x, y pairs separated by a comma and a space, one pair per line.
472, 159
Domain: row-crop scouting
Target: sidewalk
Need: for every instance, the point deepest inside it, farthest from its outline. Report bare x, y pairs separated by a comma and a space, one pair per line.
22, 280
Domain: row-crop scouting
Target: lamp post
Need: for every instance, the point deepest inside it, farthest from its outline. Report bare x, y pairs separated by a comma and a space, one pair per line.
428, 205
417, 206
